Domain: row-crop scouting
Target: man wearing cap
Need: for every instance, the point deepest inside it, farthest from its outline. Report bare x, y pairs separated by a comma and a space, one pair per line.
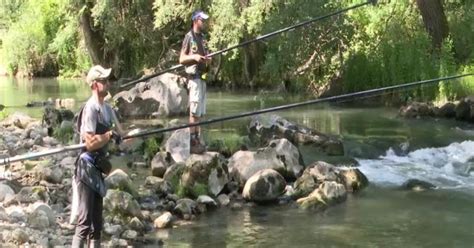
194, 55
96, 123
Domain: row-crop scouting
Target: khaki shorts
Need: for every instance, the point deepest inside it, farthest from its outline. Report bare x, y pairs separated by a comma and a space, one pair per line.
197, 97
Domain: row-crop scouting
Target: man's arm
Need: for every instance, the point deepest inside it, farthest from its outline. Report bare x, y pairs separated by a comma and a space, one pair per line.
92, 140
188, 59
96, 141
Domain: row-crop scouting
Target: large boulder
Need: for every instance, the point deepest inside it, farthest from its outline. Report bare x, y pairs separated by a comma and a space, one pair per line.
32, 194
173, 175
463, 110
163, 95
313, 176
158, 185
53, 118
119, 180
39, 209
5, 192
327, 194
353, 179
186, 206
265, 185
263, 129
48, 172
280, 155
417, 185
17, 119
447, 110
204, 174
178, 145
416, 110
121, 203
160, 162
163, 221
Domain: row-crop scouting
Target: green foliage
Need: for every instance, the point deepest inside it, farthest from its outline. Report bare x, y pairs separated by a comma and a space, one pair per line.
150, 147
64, 134
70, 52
42, 38
194, 192
3, 114
366, 48
393, 47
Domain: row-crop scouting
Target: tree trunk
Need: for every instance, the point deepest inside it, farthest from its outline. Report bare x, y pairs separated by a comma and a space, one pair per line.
435, 20
93, 39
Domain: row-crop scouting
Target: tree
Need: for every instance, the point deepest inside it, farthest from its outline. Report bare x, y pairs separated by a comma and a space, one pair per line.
435, 20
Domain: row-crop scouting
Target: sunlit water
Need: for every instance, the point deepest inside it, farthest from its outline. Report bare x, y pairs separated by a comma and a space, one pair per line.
390, 151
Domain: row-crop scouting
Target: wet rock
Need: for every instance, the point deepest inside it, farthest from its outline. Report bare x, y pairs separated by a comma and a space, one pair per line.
162, 96
265, 128
206, 200
265, 185
137, 225
122, 203
160, 162
173, 175
185, 206
353, 179
129, 234
417, 185
163, 221
416, 110
313, 176
204, 174
462, 169
178, 145
280, 155
158, 185
463, 110
119, 180
327, 194
223, 199
236, 206
447, 110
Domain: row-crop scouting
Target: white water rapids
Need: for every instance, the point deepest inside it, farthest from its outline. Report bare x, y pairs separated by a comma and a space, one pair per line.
446, 167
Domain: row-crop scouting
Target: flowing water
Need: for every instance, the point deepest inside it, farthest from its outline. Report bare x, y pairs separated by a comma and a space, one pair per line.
390, 151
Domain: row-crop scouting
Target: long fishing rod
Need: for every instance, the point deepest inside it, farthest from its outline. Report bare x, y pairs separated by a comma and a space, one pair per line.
349, 96
259, 38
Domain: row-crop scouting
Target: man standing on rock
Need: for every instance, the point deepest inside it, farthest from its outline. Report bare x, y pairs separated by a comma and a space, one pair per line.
194, 55
95, 123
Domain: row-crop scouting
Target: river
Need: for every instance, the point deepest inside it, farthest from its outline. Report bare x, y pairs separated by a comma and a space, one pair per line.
390, 150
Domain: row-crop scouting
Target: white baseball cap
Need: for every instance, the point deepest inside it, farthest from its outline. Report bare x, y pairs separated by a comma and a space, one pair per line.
97, 72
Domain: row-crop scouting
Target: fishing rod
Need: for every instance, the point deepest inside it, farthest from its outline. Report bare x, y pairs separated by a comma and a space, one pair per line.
344, 97
259, 38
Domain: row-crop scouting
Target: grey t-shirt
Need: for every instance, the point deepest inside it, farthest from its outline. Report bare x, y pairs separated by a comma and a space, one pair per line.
94, 113
196, 44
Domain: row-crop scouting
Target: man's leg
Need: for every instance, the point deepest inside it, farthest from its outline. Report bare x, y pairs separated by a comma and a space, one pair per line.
83, 221
96, 229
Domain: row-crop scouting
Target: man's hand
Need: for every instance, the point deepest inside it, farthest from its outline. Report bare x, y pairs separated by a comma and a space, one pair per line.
199, 58
115, 137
